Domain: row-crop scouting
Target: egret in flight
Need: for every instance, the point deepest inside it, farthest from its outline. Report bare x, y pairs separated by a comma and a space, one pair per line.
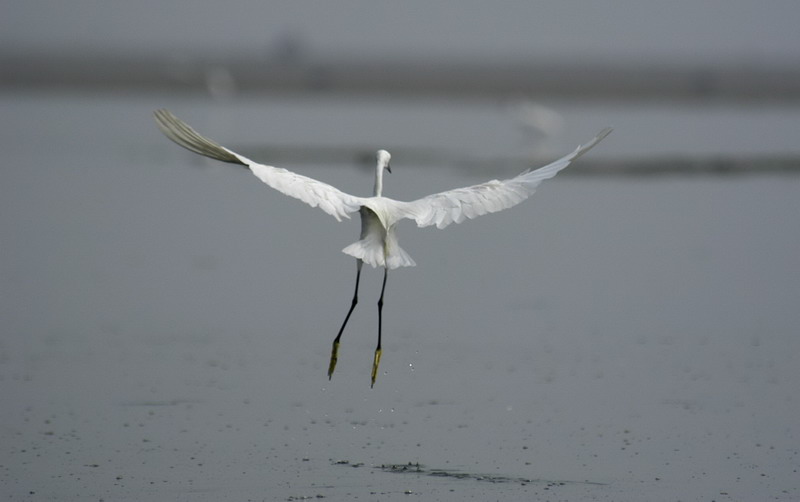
379, 215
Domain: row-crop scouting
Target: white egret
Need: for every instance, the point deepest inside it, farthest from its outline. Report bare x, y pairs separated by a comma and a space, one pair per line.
378, 244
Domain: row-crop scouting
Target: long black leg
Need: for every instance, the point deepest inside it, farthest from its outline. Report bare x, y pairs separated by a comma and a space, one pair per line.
335, 348
377, 359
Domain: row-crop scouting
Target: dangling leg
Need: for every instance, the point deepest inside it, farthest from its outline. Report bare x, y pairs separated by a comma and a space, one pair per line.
377, 360
335, 349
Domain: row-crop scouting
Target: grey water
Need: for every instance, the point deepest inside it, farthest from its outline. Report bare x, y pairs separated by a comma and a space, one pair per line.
629, 333
166, 320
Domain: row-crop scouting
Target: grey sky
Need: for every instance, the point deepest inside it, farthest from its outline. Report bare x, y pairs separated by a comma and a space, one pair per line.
642, 32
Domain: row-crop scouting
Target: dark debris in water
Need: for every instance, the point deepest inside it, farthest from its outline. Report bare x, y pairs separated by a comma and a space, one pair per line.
347, 462
420, 469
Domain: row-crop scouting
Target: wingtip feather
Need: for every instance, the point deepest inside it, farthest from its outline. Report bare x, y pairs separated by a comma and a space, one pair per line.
183, 135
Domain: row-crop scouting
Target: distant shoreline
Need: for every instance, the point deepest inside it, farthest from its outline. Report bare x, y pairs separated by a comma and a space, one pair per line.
666, 165
458, 79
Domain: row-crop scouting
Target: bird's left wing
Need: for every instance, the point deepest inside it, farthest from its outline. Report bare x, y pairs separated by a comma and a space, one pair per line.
444, 208
314, 193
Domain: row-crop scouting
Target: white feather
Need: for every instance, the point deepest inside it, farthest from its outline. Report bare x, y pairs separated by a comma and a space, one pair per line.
453, 206
378, 244
314, 193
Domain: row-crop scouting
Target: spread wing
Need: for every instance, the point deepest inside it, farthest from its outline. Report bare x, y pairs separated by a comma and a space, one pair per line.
314, 193
444, 208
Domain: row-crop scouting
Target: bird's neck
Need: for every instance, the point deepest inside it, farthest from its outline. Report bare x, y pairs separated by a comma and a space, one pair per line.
378, 181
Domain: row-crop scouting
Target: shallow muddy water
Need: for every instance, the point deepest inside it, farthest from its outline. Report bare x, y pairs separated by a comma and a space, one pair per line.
166, 321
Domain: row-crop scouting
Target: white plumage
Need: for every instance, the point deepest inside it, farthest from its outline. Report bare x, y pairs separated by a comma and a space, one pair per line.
378, 245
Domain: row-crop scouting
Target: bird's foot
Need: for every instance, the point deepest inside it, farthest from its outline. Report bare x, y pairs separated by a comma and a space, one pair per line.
375, 362
334, 358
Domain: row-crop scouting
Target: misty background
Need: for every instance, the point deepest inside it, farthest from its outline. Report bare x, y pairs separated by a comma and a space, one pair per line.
629, 333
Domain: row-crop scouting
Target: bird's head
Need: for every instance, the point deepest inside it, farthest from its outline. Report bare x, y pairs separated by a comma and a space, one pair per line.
383, 160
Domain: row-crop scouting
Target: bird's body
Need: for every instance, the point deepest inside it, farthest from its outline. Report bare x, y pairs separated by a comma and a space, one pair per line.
378, 244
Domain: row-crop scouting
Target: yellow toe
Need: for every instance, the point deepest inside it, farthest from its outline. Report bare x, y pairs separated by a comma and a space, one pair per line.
334, 358
375, 362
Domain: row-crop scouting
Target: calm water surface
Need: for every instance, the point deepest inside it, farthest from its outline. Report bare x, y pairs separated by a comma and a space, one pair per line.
167, 321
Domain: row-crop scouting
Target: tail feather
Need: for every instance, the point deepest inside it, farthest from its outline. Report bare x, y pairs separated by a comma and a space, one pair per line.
373, 253
399, 258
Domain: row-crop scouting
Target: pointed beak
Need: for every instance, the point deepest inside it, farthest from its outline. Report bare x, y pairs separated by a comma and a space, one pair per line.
388, 168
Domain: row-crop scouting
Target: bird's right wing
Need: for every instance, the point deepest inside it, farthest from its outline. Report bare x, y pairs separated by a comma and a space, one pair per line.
314, 193
444, 208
